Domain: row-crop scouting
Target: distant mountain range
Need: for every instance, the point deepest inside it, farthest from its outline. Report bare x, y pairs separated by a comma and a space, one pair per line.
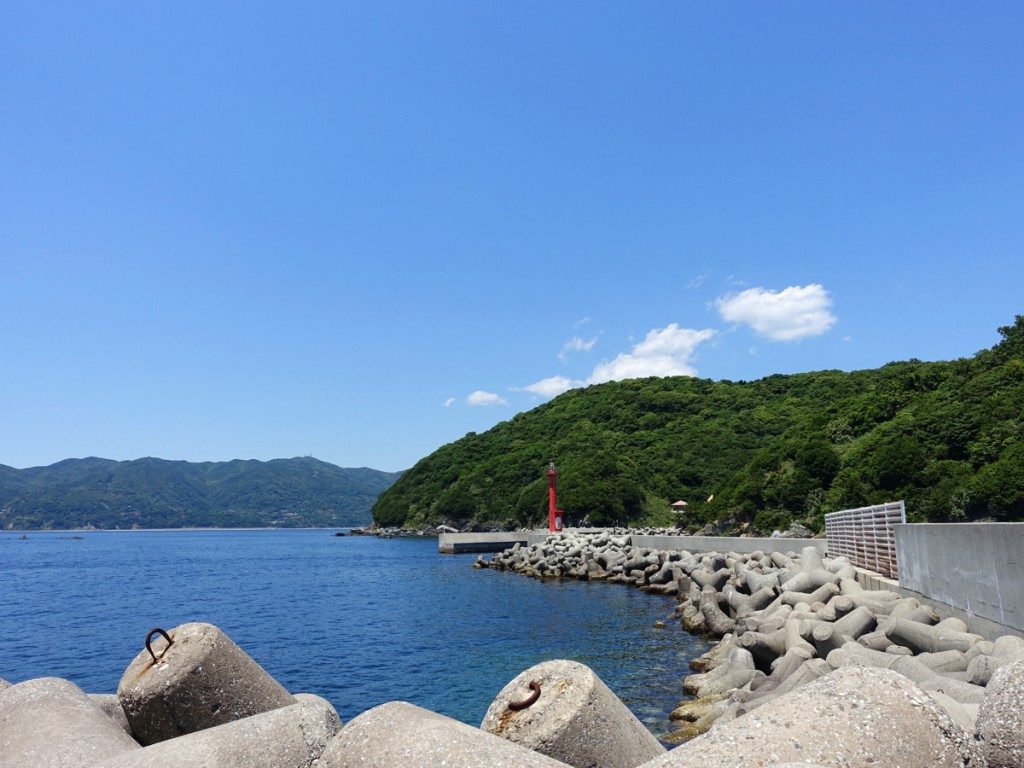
156, 493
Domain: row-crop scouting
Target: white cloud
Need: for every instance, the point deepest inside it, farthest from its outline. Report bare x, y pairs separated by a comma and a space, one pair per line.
576, 344
450, 402
663, 352
552, 386
481, 398
582, 321
698, 281
796, 312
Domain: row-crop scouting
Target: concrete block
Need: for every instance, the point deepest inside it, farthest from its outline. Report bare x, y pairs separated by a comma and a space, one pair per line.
201, 680
1008, 647
52, 723
1000, 726
981, 668
958, 712
922, 638
576, 718
402, 735
289, 737
854, 717
110, 704
735, 672
736, 544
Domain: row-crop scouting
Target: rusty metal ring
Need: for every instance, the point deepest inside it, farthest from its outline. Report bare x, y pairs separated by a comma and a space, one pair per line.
149, 642
516, 706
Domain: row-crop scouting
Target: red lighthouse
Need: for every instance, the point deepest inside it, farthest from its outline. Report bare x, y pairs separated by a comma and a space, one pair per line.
554, 513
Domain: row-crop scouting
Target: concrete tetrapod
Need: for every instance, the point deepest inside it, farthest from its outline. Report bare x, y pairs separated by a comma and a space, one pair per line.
853, 717
1000, 725
402, 735
922, 638
110, 704
289, 737
201, 680
52, 723
576, 718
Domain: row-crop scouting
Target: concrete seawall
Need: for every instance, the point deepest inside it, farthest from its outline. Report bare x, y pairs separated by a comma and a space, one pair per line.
461, 543
727, 544
975, 568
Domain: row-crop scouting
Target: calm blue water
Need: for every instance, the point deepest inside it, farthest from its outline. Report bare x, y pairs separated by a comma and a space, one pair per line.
360, 621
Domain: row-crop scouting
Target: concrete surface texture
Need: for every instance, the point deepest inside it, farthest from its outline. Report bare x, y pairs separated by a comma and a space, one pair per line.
402, 734
1000, 725
576, 718
454, 543
976, 567
855, 718
201, 680
737, 544
52, 723
110, 704
289, 737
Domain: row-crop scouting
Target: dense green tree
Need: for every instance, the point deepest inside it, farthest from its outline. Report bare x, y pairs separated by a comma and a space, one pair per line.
155, 493
944, 436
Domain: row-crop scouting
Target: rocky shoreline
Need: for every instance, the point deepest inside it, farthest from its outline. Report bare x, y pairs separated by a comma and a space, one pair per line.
784, 621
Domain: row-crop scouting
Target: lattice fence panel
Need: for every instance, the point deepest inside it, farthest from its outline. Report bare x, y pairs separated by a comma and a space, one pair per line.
867, 536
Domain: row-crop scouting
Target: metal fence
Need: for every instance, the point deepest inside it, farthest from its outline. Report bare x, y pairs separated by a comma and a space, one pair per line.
866, 536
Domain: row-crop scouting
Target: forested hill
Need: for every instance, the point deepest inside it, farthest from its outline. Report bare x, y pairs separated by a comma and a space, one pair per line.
155, 493
948, 437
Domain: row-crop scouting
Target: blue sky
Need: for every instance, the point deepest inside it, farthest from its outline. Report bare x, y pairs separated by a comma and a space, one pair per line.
251, 231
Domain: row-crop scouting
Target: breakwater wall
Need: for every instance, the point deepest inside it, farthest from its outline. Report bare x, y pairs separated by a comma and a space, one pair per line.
740, 544
463, 543
971, 571
789, 622
975, 570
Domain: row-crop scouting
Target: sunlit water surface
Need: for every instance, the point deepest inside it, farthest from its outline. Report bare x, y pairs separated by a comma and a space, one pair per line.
360, 621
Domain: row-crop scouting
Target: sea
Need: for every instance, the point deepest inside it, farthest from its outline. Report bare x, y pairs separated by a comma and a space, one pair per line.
358, 620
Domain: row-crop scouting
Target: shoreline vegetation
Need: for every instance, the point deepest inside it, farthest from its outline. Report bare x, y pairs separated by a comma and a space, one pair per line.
947, 437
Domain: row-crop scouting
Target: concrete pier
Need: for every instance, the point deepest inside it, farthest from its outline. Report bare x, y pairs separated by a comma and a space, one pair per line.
458, 543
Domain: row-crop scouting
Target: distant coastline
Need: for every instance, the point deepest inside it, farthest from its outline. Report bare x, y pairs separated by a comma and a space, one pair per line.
172, 530
150, 493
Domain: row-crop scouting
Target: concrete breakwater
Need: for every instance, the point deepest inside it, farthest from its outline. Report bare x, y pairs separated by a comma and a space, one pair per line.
194, 699
391, 532
786, 622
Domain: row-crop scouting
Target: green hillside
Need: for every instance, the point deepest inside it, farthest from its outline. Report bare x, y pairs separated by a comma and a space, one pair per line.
948, 437
154, 493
